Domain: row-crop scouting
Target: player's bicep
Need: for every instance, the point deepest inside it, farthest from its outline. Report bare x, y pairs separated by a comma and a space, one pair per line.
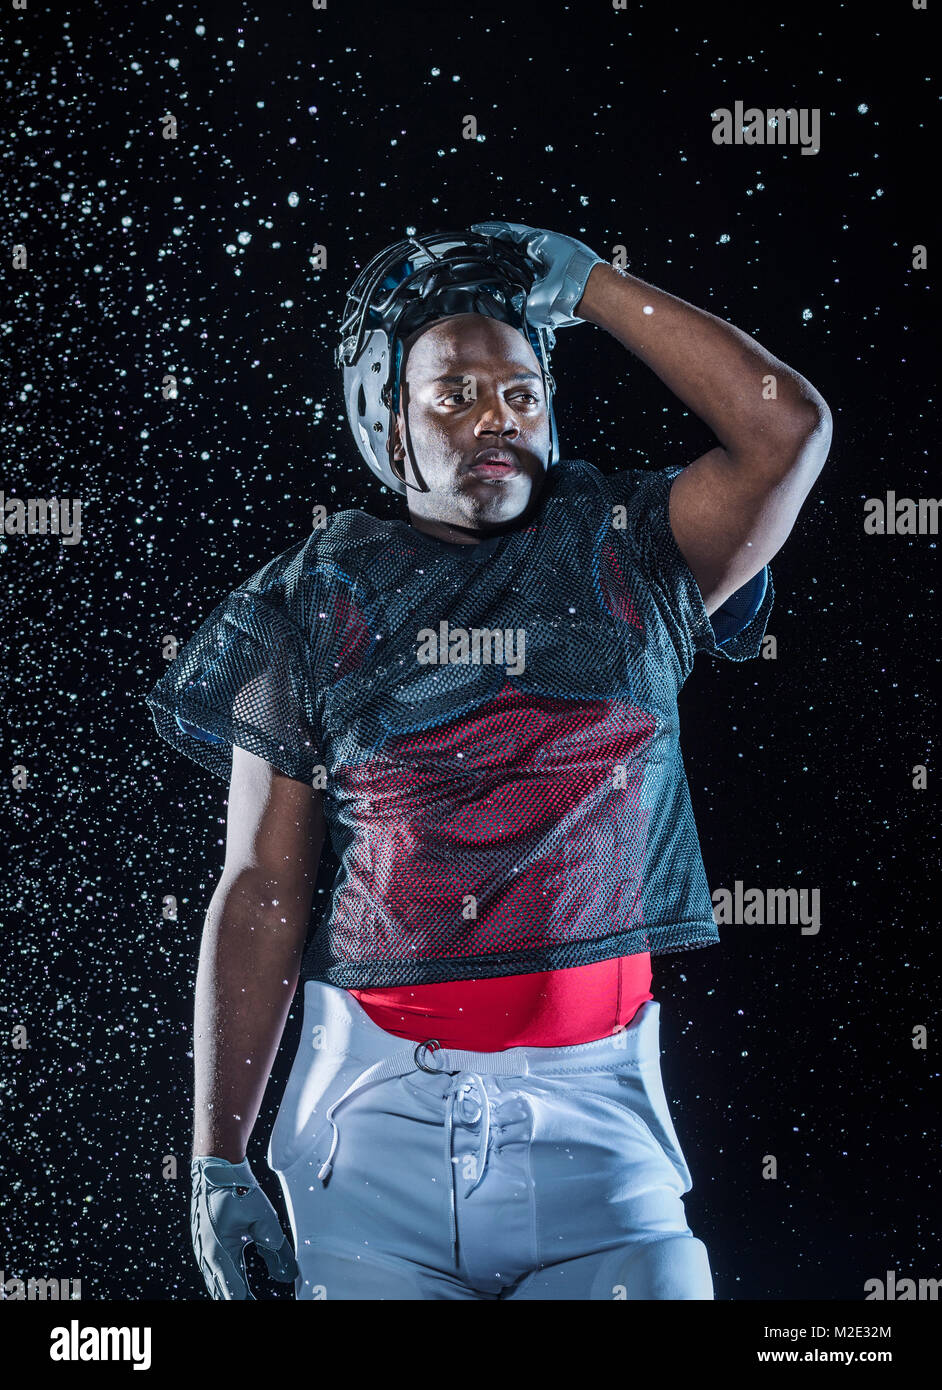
274, 832
729, 521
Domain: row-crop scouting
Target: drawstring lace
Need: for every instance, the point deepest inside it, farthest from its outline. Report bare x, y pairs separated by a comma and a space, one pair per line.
467, 1095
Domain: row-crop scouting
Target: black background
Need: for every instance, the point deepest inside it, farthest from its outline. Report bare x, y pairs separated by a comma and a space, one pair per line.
595, 123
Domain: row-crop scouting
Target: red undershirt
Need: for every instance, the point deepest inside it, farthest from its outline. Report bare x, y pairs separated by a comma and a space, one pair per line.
552, 1008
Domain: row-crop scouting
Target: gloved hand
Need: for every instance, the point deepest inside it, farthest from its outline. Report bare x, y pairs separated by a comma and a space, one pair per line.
228, 1211
566, 265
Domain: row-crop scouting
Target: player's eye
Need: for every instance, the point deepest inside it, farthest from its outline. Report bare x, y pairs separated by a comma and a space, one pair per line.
525, 397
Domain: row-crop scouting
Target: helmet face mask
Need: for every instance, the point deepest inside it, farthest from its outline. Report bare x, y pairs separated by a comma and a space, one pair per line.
407, 286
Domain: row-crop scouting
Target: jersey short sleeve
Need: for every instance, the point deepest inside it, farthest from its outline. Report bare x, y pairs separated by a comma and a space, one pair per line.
244, 680
735, 630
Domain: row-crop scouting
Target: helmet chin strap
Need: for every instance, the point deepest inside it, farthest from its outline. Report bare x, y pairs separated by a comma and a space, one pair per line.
407, 445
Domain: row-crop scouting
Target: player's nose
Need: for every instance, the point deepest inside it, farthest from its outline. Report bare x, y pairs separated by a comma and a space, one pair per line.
495, 417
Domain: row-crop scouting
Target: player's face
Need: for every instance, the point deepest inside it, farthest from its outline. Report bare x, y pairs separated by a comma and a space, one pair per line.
473, 386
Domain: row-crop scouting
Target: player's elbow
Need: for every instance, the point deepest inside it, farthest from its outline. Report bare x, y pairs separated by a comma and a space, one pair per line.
813, 439
253, 904
801, 439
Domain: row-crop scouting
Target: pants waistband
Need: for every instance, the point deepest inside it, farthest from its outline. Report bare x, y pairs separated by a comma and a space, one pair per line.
346, 1029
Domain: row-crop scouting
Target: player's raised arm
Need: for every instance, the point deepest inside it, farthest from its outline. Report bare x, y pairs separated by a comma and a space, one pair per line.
732, 509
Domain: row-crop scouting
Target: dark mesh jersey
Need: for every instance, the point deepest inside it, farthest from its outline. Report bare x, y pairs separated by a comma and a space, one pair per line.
494, 729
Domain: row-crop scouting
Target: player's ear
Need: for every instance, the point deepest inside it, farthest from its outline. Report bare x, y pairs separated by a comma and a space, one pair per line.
398, 452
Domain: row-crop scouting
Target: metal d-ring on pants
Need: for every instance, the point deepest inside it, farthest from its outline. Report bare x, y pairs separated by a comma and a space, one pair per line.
532, 1173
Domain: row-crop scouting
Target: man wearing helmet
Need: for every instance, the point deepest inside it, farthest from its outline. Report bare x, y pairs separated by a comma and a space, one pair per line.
515, 843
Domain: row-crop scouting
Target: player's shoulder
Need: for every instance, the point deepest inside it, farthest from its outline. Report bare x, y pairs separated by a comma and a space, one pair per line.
621, 479
640, 492
342, 549
573, 477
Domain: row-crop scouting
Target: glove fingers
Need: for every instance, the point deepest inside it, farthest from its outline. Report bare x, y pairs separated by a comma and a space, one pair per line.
221, 1257
281, 1262
518, 232
224, 1275
501, 229
264, 1227
273, 1245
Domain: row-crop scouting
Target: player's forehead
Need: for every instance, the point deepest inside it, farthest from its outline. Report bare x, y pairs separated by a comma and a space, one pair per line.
470, 343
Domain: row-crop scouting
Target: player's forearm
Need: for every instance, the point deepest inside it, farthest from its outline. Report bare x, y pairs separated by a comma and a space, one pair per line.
718, 371
248, 972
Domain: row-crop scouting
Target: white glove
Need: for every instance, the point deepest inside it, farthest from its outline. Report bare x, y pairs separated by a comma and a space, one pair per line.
565, 265
228, 1211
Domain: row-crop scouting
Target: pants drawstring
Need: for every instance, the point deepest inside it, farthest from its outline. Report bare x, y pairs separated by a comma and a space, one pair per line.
465, 1067
399, 1064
